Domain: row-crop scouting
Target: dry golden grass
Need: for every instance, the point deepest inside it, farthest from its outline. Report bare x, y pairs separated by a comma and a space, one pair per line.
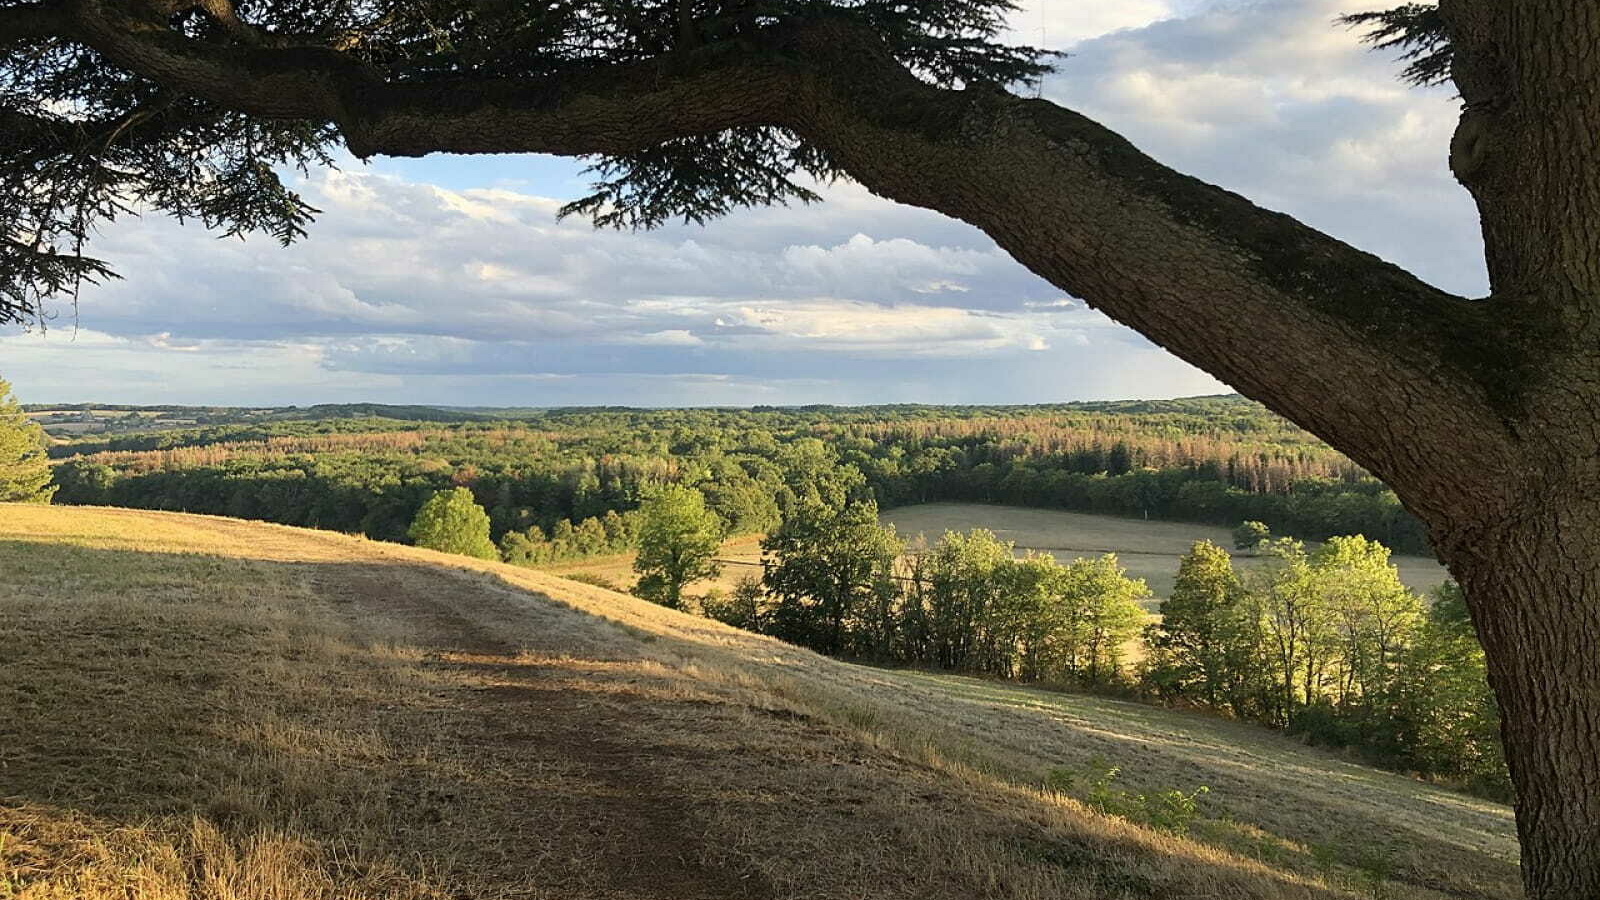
206, 708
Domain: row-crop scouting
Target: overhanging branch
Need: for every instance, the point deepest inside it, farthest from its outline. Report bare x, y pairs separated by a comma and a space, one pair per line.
1349, 346
30, 22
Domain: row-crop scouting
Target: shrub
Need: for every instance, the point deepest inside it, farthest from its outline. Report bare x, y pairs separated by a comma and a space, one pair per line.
595, 579
452, 522
1250, 535
1171, 810
741, 609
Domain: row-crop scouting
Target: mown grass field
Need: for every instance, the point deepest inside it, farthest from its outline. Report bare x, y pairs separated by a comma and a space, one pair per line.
1148, 549
209, 708
743, 554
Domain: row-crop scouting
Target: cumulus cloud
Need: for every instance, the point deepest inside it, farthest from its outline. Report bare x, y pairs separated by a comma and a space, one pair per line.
448, 281
1275, 100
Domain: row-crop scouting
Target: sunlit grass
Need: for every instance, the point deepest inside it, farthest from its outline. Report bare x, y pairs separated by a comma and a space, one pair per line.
206, 708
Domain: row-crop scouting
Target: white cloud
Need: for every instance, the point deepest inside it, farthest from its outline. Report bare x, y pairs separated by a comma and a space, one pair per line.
412, 291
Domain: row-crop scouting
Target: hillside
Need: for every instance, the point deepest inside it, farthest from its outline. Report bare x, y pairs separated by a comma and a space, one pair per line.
209, 708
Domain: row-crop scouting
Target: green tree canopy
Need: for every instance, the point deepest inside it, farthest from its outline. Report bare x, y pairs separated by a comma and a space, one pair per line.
1102, 613
1250, 535
678, 536
826, 563
1195, 633
453, 522
24, 469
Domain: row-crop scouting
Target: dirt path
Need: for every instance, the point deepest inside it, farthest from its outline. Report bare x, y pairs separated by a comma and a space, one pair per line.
580, 764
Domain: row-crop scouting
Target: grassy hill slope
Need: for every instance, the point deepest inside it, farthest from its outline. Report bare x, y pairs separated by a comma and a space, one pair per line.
208, 708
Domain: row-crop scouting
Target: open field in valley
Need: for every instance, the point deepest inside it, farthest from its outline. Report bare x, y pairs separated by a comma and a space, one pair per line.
211, 709
743, 556
1149, 549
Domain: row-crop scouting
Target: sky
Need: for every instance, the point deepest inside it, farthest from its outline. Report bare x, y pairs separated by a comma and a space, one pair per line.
448, 280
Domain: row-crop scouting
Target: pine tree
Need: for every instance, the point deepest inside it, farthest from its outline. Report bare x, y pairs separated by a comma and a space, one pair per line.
24, 468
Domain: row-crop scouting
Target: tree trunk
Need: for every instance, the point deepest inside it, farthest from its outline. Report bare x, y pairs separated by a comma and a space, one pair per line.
1534, 592
1527, 549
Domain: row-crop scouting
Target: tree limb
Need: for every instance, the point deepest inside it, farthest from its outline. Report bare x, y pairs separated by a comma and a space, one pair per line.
30, 22
1349, 346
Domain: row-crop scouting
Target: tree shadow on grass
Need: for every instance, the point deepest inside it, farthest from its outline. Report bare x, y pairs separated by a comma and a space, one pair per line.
479, 733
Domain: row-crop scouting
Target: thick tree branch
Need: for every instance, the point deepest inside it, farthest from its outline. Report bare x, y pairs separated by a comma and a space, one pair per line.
1347, 345
30, 22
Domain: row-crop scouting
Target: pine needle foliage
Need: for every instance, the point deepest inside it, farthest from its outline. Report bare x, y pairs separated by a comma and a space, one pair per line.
24, 468
83, 142
1417, 31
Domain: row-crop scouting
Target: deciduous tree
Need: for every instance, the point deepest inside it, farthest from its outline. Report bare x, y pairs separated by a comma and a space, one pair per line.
453, 522
678, 540
1196, 637
824, 565
1250, 535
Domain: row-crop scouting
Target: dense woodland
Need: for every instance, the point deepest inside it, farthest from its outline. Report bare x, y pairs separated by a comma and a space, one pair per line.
554, 476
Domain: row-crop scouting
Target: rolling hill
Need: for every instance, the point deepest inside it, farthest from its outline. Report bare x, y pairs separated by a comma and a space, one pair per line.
209, 708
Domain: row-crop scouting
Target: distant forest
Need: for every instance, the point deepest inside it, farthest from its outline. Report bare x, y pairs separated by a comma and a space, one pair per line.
560, 472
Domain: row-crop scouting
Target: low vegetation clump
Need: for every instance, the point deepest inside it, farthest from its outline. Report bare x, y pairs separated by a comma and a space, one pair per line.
1250, 535
1171, 810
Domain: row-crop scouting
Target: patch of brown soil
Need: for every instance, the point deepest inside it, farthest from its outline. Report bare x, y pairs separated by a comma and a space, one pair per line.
613, 826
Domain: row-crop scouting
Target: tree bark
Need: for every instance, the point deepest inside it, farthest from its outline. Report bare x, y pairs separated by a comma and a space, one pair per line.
1533, 585
1528, 149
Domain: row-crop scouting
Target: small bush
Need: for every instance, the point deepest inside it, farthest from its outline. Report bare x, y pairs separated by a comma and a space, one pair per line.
1171, 810
741, 609
594, 578
1250, 535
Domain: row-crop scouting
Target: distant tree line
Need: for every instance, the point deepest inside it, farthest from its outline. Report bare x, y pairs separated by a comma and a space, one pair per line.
1216, 460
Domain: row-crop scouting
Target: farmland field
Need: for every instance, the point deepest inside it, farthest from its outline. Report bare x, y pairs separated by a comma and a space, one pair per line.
304, 715
1148, 549
742, 555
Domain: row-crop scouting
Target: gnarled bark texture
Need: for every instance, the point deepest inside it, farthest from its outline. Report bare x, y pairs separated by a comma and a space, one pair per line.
1484, 415
1528, 148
